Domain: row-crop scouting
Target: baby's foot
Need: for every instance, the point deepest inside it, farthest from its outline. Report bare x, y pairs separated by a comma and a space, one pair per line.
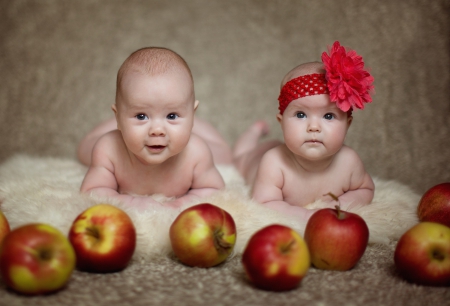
250, 138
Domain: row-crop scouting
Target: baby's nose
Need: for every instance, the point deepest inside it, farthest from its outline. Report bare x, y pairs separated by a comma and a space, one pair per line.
314, 126
157, 129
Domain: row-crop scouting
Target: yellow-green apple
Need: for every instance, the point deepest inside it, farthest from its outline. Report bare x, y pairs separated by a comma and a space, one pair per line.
434, 206
422, 254
4, 226
203, 235
276, 258
104, 239
36, 259
336, 239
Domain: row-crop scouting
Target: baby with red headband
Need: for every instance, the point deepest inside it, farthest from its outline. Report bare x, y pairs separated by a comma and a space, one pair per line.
315, 104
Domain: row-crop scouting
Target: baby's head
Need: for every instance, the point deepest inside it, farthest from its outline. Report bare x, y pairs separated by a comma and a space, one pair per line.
155, 104
316, 101
154, 61
341, 75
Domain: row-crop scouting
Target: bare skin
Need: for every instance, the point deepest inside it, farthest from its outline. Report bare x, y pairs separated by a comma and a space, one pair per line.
248, 150
313, 162
152, 151
221, 151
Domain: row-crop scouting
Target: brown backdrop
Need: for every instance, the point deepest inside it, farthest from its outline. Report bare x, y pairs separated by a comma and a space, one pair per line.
58, 61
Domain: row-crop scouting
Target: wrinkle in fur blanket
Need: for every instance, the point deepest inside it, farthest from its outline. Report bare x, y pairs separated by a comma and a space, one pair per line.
46, 190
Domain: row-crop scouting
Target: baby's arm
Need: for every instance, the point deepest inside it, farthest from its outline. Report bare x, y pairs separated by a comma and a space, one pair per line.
267, 188
206, 177
100, 179
362, 188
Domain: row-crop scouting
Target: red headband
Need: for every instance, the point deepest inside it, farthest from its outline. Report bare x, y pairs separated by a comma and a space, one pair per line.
345, 80
305, 85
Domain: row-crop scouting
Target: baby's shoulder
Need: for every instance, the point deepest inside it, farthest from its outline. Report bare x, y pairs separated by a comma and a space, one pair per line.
196, 148
348, 153
348, 159
277, 155
109, 144
280, 150
112, 138
196, 143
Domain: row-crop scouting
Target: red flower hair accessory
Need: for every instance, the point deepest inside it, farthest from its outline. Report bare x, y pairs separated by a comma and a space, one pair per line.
348, 83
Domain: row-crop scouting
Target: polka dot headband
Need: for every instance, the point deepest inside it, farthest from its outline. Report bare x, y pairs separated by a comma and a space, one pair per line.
346, 81
305, 85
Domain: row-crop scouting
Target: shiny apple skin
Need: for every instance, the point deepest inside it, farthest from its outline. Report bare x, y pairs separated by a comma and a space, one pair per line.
276, 258
422, 254
434, 206
336, 239
36, 259
104, 239
203, 235
4, 226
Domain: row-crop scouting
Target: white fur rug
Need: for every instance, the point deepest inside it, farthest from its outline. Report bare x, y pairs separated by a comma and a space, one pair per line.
37, 189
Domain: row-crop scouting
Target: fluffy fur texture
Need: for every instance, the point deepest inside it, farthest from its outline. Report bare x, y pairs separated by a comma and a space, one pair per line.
46, 190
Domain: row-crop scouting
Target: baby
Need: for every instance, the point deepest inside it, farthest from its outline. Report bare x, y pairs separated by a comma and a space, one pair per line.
149, 147
315, 104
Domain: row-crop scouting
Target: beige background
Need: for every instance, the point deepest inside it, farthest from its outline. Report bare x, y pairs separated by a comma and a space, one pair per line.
58, 61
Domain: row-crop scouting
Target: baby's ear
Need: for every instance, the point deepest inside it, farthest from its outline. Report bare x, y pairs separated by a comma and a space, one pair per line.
349, 121
114, 108
279, 117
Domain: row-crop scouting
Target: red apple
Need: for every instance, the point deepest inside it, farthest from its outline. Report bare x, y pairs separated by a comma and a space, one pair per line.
422, 254
203, 235
4, 226
36, 259
276, 258
104, 239
336, 239
434, 206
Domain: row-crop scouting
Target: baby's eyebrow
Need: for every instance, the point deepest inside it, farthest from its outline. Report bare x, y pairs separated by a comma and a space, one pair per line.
137, 108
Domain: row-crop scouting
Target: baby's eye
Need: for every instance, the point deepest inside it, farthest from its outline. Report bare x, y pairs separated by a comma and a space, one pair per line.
141, 117
301, 115
328, 116
172, 116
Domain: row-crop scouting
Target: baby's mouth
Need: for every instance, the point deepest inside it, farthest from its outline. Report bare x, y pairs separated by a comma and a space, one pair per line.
156, 148
314, 141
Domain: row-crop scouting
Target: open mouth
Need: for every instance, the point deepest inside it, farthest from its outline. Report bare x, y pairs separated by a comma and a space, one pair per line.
156, 148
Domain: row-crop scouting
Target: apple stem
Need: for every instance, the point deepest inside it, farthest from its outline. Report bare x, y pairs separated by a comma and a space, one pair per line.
93, 232
286, 248
219, 242
438, 255
45, 254
333, 196
339, 212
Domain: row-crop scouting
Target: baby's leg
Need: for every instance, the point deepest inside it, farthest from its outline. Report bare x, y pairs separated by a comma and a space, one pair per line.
87, 143
248, 151
220, 149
